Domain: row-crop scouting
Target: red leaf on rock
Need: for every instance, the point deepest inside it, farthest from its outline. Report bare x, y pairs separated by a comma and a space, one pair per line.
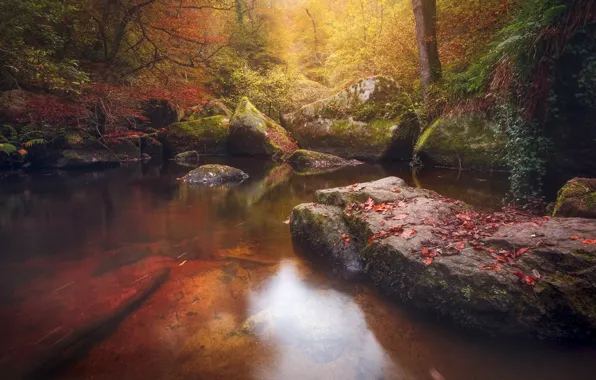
346, 238
461, 245
590, 242
408, 234
493, 267
369, 204
395, 191
428, 261
574, 237
521, 252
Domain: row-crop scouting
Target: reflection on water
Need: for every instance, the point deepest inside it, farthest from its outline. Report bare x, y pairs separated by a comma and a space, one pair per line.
315, 333
240, 302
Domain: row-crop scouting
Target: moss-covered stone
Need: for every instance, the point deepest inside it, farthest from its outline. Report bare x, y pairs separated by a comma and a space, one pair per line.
469, 142
152, 147
126, 148
82, 159
577, 199
306, 160
215, 175
254, 134
455, 286
368, 120
192, 156
207, 136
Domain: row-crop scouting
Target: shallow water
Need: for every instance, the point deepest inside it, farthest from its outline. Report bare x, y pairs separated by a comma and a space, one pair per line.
240, 301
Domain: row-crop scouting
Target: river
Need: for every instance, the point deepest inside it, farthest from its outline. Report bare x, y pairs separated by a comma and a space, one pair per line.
240, 302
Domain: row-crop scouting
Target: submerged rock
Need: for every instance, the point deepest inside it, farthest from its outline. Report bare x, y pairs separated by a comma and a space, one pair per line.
207, 135
577, 199
307, 161
501, 273
215, 175
468, 142
367, 121
254, 134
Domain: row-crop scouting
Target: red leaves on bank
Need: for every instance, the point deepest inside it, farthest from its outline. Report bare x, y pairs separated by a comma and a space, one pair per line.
429, 256
528, 280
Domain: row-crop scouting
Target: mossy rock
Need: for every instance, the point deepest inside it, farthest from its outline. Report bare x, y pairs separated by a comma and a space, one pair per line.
192, 156
214, 176
577, 199
254, 134
367, 121
305, 160
207, 136
84, 159
152, 147
210, 109
126, 148
461, 287
469, 142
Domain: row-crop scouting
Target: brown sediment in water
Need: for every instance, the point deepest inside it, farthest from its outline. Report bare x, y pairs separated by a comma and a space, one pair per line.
240, 302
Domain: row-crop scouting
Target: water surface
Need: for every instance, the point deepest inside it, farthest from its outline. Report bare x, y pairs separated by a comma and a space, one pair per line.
240, 302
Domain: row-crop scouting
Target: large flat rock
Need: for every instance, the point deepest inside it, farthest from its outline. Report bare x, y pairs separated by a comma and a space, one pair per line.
505, 273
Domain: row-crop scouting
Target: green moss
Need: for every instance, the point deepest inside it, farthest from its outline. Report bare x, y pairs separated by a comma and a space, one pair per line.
7, 148
426, 134
211, 128
577, 195
467, 140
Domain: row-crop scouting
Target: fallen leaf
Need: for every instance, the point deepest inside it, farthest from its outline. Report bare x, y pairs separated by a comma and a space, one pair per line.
590, 242
408, 234
574, 237
521, 252
461, 245
428, 261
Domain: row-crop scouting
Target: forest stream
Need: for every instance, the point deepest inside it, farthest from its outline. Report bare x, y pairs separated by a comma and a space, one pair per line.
240, 302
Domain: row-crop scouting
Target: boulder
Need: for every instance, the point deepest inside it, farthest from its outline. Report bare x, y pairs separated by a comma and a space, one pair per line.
306, 161
367, 121
211, 108
125, 148
470, 141
191, 156
505, 273
215, 175
577, 199
254, 134
152, 147
207, 136
162, 113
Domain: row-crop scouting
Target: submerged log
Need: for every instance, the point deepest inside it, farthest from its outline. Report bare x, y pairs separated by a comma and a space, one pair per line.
77, 343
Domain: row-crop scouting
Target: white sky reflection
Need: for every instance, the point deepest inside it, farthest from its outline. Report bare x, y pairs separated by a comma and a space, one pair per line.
315, 334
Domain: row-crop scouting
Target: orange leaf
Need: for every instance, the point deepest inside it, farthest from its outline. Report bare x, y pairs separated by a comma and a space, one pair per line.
574, 237
428, 261
590, 242
521, 252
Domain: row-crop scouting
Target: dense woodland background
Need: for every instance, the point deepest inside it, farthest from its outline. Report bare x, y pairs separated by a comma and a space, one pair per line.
94, 67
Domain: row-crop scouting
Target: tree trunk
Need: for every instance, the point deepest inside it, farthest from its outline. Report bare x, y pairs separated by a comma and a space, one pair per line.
425, 13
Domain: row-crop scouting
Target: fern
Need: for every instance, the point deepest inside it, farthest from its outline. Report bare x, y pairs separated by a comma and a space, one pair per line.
33, 142
7, 148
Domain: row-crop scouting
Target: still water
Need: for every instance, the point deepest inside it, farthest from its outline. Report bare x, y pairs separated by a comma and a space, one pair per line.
240, 302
